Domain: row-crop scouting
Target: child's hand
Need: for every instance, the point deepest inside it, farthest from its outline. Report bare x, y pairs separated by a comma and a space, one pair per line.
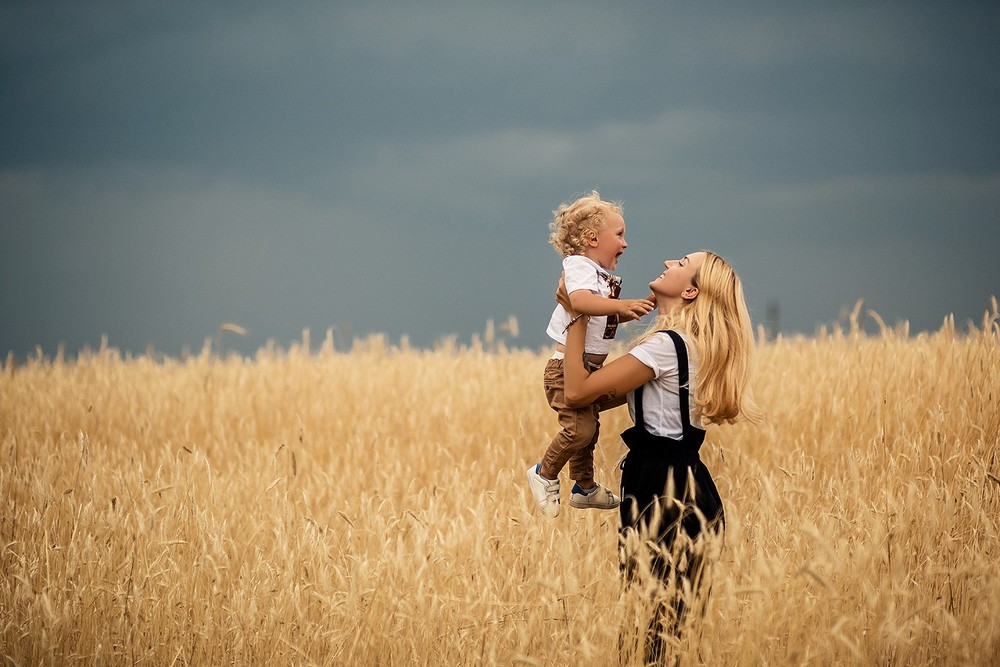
633, 309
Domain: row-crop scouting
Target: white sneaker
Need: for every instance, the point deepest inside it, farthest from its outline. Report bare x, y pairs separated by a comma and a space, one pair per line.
545, 491
600, 498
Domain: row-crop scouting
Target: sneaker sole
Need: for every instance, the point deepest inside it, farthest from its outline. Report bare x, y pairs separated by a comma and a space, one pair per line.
586, 506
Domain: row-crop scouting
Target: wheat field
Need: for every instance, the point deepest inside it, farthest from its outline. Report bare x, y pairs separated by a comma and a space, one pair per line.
367, 506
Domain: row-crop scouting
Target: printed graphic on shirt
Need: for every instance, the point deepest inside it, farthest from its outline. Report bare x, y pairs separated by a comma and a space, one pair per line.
615, 283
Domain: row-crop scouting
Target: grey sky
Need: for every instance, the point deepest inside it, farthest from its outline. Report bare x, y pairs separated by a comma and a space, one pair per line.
392, 167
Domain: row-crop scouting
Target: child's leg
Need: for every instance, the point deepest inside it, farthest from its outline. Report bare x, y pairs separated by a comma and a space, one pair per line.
578, 426
581, 464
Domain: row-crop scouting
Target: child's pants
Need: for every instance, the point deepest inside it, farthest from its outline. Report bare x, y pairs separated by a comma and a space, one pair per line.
580, 427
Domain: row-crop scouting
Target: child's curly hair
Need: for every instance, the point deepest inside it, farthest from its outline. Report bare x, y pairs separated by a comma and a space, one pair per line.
572, 222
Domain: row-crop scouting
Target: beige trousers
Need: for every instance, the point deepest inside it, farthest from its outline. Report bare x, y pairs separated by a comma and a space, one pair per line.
579, 429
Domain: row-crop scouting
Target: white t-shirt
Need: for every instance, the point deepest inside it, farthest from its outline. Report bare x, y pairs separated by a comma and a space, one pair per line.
582, 273
661, 409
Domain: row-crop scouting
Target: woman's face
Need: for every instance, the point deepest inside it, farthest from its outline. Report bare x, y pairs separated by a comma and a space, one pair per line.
677, 277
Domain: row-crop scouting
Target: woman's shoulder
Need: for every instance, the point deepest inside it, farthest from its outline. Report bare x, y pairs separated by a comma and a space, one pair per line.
658, 352
663, 338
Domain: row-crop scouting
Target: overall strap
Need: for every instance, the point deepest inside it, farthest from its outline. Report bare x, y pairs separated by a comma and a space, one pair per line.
639, 421
682, 377
682, 382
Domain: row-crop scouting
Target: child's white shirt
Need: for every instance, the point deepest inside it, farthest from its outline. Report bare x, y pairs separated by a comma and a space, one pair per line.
582, 273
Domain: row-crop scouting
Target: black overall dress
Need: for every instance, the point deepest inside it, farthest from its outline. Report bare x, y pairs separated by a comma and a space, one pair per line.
655, 466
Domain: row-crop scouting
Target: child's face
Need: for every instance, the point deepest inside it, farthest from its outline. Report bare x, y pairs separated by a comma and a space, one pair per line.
609, 243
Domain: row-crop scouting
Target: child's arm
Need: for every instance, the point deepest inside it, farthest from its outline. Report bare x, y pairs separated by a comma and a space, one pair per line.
609, 385
589, 303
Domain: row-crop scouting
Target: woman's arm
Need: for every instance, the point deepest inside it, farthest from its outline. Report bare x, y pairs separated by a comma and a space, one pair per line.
606, 402
610, 383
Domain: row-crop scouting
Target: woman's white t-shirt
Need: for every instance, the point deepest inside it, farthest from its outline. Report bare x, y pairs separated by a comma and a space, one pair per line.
660, 396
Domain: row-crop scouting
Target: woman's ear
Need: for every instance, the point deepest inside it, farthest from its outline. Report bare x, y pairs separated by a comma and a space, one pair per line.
690, 293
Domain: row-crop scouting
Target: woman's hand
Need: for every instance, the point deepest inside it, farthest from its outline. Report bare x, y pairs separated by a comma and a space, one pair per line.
562, 296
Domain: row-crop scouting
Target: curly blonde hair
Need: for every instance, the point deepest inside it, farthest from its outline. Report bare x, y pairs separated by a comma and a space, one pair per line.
572, 222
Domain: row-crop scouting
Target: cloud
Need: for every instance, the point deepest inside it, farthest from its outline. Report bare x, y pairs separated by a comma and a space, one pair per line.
867, 34
394, 166
507, 157
939, 207
495, 31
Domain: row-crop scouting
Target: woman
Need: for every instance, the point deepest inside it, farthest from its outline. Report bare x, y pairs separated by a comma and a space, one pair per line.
691, 368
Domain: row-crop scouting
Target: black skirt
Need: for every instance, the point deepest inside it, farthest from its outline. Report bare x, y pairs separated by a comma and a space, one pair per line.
666, 487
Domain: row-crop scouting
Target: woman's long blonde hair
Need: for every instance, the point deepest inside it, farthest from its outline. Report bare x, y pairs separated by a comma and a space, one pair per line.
718, 324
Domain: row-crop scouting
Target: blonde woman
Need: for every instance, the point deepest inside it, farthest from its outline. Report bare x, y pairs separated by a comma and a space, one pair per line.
690, 369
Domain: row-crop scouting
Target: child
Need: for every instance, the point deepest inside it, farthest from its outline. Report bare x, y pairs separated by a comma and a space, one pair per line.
590, 235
